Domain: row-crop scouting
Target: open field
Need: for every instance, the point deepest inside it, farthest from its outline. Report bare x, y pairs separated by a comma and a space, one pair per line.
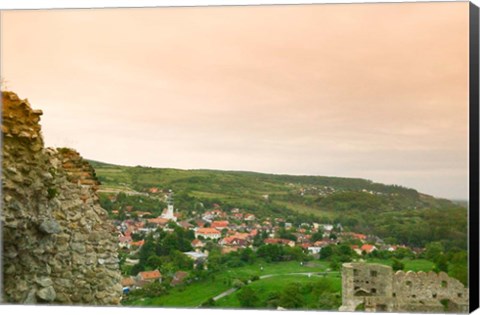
198, 292
413, 265
264, 288
273, 278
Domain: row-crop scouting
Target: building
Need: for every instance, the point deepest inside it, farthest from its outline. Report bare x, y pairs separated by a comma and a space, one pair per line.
280, 241
196, 243
219, 225
233, 241
186, 225
376, 288
314, 250
179, 278
139, 243
197, 257
124, 241
367, 248
213, 214
160, 221
209, 233
127, 284
145, 277
169, 212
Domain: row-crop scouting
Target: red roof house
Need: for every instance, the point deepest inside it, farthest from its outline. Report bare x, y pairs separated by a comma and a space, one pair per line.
368, 248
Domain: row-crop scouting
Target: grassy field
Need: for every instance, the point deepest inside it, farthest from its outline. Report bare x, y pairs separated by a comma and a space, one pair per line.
196, 293
413, 265
240, 188
276, 268
265, 287
307, 210
190, 296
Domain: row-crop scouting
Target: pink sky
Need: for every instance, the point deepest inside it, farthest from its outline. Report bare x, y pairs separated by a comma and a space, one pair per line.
377, 91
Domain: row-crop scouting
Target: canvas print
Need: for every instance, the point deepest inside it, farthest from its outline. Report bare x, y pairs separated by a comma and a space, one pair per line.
281, 157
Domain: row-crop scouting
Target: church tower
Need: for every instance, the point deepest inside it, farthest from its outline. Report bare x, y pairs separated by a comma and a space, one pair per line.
169, 214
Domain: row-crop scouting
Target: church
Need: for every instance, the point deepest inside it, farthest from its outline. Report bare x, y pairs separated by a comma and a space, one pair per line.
169, 212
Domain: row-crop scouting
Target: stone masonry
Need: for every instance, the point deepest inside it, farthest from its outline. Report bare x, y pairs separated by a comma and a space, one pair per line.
58, 246
376, 288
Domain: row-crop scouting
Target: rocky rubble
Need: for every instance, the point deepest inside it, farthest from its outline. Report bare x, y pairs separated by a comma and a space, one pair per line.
58, 246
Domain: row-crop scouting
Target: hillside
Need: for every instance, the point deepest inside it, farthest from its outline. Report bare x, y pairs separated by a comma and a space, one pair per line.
361, 205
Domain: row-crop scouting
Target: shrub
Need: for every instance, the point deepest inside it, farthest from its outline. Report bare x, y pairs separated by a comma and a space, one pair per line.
209, 302
237, 283
397, 265
247, 297
51, 193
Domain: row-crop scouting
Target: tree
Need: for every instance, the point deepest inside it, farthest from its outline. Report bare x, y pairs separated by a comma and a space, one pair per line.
441, 263
136, 269
326, 252
390, 240
329, 301
294, 253
459, 267
181, 261
247, 297
345, 250
401, 253
433, 251
286, 235
209, 302
147, 250
270, 252
273, 299
291, 296
215, 259
397, 265
247, 255
153, 289
335, 264
317, 236
137, 237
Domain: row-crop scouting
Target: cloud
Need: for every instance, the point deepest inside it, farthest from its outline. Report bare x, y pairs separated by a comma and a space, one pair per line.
374, 90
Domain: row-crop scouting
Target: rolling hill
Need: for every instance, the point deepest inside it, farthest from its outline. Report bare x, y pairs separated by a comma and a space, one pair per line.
392, 211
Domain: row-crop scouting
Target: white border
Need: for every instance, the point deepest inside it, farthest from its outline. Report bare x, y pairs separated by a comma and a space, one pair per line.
85, 4
50, 4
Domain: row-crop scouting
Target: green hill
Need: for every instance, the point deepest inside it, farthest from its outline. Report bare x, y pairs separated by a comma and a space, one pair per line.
392, 211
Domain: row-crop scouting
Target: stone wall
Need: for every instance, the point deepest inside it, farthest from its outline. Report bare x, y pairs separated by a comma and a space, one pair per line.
359, 281
420, 290
58, 246
375, 287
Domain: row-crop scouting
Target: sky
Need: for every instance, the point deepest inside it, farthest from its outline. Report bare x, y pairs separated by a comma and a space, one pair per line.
376, 91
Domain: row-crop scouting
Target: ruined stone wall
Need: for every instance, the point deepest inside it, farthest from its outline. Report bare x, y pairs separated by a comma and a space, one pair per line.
377, 288
421, 289
58, 246
364, 280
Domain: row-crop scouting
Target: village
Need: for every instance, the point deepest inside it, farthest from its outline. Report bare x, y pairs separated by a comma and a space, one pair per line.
231, 230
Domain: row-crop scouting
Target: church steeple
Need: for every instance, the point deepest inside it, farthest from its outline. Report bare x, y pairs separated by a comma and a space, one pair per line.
169, 214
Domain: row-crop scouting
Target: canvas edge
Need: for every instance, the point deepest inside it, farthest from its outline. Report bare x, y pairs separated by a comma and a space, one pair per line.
474, 158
